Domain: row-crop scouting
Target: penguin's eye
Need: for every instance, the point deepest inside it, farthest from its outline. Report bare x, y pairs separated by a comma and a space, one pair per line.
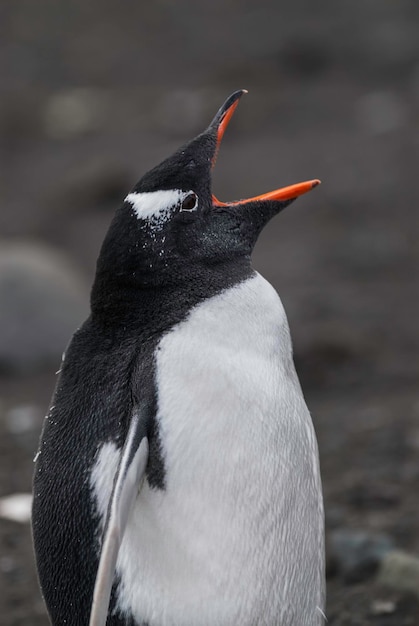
190, 203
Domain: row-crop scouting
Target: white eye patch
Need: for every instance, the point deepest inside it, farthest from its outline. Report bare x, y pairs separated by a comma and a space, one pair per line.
156, 206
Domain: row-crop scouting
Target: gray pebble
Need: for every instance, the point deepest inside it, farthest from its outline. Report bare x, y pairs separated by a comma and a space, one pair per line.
399, 571
75, 112
357, 554
22, 422
43, 300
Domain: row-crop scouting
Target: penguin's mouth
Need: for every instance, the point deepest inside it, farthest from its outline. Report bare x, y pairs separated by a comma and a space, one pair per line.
221, 121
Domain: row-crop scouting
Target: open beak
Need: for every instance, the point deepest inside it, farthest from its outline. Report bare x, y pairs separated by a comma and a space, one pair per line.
221, 121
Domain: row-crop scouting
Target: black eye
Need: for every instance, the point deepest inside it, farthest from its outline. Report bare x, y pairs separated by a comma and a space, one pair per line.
189, 203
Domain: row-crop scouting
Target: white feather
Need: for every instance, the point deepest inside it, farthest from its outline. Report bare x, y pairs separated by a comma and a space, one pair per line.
129, 479
155, 205
237, 535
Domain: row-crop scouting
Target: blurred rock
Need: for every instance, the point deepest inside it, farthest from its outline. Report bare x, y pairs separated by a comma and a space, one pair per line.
22, 422
16, 507
383, 607
357, 554
399, 571
43, 300
22, 419
382, 112
75, 112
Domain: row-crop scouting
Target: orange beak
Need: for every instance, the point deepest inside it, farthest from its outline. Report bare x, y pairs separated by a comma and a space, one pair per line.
284, 193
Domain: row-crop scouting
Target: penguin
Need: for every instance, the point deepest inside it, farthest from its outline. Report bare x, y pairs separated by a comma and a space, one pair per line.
177, 479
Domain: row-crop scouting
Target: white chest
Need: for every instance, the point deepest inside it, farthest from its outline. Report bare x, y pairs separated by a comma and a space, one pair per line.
237, 536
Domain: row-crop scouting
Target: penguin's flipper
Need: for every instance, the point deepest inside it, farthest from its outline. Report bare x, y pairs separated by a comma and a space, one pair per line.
127, 483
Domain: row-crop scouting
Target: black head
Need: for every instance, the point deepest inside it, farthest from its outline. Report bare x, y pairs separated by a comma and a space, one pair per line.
171, 230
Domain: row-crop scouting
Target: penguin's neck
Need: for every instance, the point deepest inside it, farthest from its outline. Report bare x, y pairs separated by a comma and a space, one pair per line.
122, 303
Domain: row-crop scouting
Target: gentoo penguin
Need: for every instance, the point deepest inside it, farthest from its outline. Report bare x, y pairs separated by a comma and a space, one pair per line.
177, 480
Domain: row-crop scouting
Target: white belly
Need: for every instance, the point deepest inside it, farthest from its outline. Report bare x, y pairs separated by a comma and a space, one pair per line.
237, 535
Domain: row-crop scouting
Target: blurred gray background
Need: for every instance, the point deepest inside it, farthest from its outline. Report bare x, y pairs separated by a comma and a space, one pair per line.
93, 94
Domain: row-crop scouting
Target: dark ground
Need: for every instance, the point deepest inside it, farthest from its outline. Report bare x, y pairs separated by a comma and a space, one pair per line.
333, 94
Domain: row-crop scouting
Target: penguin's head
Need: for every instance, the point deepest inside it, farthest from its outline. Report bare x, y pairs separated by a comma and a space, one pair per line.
171, 228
